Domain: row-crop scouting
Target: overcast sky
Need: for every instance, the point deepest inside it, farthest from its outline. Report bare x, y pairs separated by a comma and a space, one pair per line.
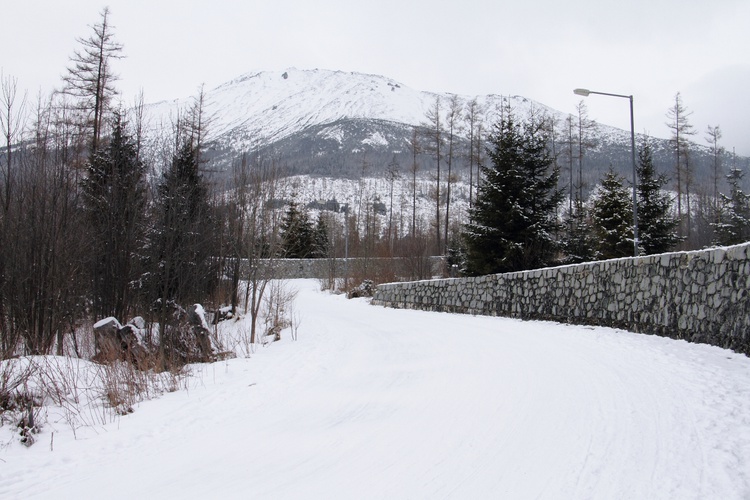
538, 49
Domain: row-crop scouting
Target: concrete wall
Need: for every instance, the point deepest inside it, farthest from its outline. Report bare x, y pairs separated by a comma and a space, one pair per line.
698, 296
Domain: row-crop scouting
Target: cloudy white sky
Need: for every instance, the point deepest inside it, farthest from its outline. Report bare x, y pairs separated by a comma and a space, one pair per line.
540, 49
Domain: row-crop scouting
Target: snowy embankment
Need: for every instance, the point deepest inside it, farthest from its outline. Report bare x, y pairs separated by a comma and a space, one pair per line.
380, 403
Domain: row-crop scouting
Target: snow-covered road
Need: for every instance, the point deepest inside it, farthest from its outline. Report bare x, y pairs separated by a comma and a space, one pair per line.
381, 403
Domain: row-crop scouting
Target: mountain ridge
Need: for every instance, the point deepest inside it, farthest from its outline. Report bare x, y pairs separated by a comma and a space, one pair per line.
275, 104
291, 114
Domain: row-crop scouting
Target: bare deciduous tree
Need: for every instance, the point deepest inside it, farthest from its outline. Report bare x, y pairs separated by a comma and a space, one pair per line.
569, 133
12, 119
453, 123
255, 233
42, 289
416, 149
391, 175
681, 129
713, 136
473, 119
434, 129
586, 140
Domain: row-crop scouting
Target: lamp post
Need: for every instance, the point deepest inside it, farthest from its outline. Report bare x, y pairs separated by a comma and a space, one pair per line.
585, 93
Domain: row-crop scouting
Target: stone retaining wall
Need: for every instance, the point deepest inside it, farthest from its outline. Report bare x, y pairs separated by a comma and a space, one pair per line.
699, 296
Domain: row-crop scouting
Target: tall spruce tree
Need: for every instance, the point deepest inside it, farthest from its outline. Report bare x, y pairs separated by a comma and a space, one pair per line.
734, 225
657, 226
513, 220
612, 213
321, 243
297, 234
182, 238
114, 197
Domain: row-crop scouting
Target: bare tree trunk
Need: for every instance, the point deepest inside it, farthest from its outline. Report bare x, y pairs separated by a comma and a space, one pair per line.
393, 174
713, 136
586, 140
453, 124
435, 129
681, 129
415, 150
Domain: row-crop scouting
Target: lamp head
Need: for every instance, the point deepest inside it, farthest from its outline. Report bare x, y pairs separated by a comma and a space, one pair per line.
582, 92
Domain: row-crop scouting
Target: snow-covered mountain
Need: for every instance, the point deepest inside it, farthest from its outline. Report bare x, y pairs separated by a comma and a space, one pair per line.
320, 117
338, 124
260, 108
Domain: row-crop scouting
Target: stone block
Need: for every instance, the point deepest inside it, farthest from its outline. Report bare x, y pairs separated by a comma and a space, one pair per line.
718, 256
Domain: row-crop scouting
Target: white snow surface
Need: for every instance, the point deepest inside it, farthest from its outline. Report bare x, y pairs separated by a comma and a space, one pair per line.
374, 403
201, 312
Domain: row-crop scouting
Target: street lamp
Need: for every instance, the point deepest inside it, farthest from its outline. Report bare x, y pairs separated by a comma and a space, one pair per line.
586, 93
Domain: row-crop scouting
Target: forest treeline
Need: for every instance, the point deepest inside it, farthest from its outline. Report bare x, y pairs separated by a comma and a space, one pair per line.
98, 219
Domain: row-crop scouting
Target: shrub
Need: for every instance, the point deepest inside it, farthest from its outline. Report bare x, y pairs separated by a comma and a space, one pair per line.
365, 289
